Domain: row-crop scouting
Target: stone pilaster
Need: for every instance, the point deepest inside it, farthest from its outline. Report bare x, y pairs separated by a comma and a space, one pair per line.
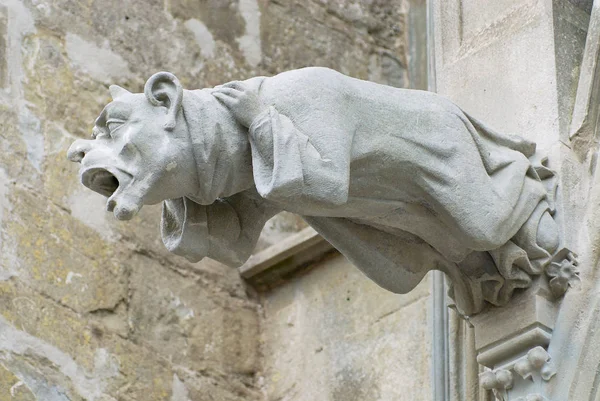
516, 65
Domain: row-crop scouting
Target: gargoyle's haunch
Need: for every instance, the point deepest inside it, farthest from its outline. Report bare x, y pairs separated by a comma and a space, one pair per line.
400, 181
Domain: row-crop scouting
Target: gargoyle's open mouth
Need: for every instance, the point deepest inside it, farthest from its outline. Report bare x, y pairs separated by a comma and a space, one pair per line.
124, 198
101, 180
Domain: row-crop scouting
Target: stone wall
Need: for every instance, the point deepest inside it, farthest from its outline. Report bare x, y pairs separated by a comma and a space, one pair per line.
334, 335
93, 309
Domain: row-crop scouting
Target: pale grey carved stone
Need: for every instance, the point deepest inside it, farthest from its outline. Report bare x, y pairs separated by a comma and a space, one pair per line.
532, 397
535, 366
499, 382
400, 181
585, 112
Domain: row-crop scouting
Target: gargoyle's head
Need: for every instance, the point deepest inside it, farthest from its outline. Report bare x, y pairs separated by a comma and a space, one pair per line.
140, 148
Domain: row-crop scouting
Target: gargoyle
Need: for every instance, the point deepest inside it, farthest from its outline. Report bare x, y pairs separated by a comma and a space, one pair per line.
399, 181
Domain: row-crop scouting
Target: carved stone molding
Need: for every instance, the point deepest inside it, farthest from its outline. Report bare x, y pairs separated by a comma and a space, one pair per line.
533, 397
271, 267
534, 367
536, 364
498, 381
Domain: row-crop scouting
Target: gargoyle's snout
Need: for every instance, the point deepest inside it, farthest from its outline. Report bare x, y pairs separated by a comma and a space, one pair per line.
78, 150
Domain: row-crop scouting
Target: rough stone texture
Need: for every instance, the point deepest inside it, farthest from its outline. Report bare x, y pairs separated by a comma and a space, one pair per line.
340, 35
92, 309
333, 335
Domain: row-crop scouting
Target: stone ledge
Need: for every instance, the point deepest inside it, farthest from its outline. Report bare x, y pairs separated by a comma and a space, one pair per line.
272, 266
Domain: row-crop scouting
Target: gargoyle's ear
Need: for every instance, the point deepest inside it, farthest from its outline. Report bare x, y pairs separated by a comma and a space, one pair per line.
163, 89
116, 91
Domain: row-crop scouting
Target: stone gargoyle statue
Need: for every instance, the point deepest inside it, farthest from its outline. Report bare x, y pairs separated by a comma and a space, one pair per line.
399, 181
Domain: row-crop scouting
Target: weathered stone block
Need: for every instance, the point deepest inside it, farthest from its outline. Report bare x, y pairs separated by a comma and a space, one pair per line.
13, 149
55, 351
13, 389
73, 266
212, 13
190, 324
333, 335
328, 43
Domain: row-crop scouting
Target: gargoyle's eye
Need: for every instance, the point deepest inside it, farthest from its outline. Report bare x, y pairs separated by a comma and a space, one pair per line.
113, 125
